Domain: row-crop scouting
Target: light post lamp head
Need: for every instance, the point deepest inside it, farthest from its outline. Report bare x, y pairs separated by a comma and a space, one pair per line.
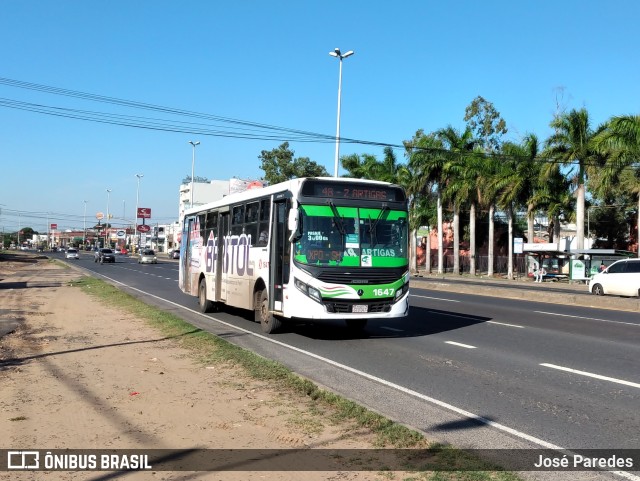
336, 53
193, 161
339, 55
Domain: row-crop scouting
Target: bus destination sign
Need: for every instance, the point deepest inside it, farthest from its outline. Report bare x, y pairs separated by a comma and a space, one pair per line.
338, 190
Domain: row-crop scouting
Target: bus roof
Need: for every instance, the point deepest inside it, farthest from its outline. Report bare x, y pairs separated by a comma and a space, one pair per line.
291, 185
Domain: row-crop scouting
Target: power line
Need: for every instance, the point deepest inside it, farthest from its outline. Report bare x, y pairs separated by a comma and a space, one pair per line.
243, 129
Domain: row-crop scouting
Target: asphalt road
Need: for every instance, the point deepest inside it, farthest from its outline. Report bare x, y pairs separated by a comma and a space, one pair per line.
472, 370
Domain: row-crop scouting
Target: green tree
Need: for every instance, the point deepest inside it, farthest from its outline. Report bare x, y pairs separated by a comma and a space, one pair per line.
421, 210
280, 165
619, 140
489, 127
458, 186
369, 167
427, 160
197, 178
516, 183
486, 123
466, 186
572, 144
555, 197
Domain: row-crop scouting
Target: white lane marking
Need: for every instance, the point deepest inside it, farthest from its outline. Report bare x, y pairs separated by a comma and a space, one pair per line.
477, 418
590, 374
460, 344
505, 324
587, 318
434, 298
391, 329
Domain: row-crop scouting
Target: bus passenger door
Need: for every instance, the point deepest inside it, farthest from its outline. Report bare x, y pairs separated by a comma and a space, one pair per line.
221, 268
280, 254
185, 257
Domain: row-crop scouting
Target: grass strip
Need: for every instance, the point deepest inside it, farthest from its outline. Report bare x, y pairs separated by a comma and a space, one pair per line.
208, 348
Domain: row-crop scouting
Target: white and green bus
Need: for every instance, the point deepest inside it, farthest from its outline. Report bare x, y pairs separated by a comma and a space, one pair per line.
310, 249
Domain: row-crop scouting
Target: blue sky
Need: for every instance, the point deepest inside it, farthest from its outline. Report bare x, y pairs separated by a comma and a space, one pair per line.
417, 65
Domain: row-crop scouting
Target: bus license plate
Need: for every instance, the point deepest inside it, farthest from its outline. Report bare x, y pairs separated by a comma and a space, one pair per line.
360, 308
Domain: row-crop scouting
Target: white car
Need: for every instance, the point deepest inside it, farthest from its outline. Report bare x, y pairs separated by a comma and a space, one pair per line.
147, 256
72, 254
622, 278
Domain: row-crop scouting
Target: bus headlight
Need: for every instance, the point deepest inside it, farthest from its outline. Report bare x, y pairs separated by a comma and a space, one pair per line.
315, 294
401, 292
312, 292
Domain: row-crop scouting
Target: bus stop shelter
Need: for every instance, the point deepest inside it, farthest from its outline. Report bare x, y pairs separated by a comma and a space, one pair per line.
574, 265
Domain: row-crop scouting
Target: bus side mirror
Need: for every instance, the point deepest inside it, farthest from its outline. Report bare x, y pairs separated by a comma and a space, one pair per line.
294, 225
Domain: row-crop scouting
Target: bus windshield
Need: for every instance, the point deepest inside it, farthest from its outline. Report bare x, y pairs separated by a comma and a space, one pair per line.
352, 237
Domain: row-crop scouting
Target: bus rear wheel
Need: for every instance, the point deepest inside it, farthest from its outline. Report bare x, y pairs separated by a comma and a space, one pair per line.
204, 304
267, 320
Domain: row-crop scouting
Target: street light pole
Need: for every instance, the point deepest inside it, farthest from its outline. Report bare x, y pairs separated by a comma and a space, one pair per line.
84, 227
336, 53
135, 234
193, 162
106, 224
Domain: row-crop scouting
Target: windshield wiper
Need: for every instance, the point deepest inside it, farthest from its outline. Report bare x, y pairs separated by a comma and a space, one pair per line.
373, 225
337, 219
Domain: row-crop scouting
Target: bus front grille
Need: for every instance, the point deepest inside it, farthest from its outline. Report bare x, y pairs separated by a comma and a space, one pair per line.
362, 277
346, 307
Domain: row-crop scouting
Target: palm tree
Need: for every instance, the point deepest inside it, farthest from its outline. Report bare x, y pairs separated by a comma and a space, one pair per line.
573, 144
516, 182
368, 166
460, 182
488, 166
420, 213
619, 140
535, 194
427, 161
489, 127
555, 197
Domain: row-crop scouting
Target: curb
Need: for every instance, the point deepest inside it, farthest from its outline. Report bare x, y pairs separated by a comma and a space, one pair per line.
529, 293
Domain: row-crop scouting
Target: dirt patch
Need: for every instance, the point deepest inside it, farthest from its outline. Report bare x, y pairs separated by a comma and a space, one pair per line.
79, 374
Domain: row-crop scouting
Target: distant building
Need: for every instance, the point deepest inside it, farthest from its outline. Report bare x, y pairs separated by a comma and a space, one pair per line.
205, 192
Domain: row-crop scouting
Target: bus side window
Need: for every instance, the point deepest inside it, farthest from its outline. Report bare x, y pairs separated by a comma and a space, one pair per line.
252, 230
252, 212
237, 220
202, 221
263, 226
238, 214
251, 221
212, 224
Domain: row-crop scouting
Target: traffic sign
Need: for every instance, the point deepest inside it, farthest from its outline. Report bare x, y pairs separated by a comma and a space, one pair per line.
99, 216
143, 228
144, 213
54, 226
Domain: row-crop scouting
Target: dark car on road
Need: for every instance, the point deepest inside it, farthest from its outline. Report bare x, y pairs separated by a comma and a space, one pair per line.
104, 255
174, 254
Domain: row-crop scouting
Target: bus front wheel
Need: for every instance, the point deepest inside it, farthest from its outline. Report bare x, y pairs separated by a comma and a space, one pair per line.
205, 304
267, 320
